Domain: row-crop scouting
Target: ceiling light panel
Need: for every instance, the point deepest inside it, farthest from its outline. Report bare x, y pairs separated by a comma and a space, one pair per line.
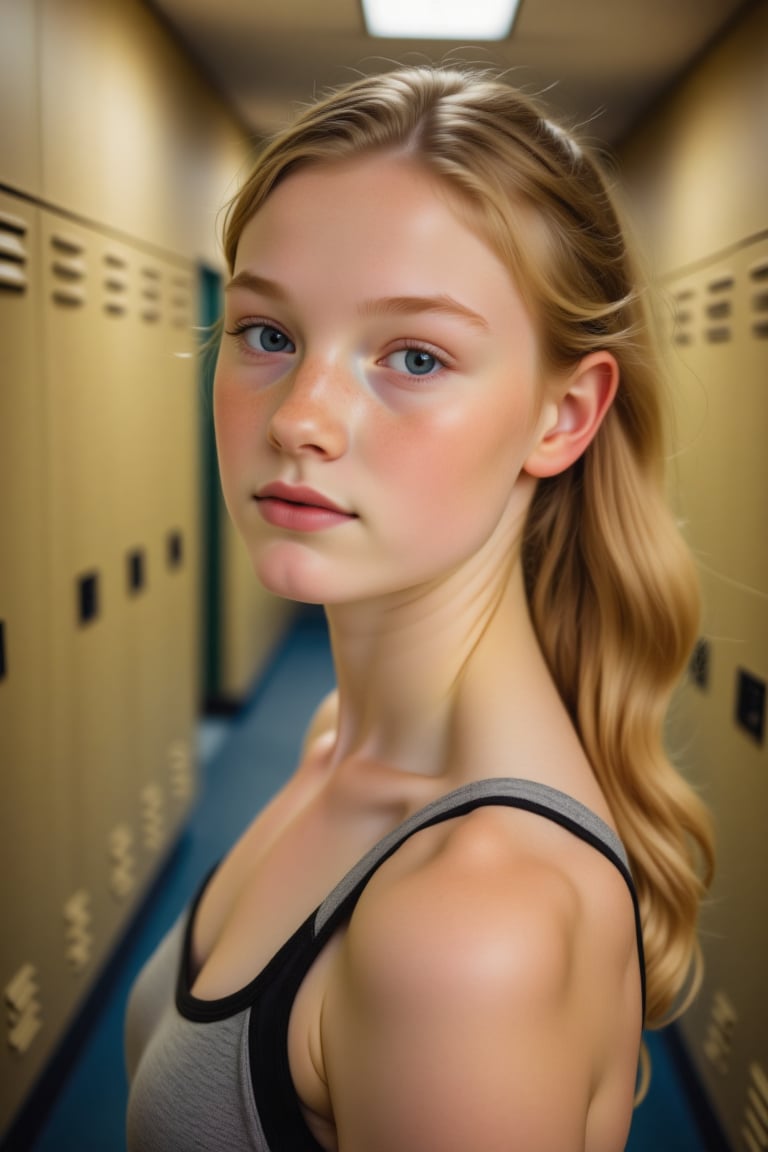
440, 19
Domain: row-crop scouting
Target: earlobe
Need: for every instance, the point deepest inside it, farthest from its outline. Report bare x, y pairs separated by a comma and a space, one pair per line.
583, 401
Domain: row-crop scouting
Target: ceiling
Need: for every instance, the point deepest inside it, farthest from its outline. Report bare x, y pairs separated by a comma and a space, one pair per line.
599, 62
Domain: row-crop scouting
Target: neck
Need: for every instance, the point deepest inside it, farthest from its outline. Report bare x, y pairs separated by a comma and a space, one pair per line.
406, 668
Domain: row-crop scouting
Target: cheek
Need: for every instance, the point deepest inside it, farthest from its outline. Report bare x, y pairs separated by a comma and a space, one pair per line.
467, 457
236, 424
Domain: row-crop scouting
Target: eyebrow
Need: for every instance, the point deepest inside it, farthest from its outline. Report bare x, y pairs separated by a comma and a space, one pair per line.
260, 284
410, 305
387, 305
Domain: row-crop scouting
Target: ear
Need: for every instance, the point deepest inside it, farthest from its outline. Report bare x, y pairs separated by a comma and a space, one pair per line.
572, 418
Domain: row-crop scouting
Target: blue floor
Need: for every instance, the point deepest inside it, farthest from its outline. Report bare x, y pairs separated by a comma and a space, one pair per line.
243, 764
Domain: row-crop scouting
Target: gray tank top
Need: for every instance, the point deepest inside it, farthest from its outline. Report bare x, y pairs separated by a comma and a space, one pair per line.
214, 1075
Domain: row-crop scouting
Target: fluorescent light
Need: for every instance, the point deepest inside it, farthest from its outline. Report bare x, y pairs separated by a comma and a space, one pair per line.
440, 19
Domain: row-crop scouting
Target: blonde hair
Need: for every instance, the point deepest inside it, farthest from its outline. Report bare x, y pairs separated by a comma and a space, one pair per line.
611, 586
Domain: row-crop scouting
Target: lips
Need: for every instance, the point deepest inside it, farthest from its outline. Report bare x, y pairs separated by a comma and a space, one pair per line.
299, 509
299, 494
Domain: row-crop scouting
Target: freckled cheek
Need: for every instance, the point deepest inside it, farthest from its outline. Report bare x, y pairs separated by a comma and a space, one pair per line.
239, 429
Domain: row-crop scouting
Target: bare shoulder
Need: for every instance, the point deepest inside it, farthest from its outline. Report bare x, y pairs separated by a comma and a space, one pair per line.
480, 983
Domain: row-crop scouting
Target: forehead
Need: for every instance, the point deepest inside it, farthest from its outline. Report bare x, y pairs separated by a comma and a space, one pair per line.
381, 214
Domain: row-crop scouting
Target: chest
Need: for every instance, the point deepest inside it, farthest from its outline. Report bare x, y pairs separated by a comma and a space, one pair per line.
283, 867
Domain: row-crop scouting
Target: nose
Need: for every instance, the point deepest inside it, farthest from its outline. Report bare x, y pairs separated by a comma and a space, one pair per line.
312, 416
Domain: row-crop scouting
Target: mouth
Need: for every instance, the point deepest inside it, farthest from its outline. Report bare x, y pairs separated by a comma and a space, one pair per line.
301, 496
299, 509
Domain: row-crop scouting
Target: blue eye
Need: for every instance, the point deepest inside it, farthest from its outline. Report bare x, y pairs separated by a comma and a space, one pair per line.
415, 361
265, 338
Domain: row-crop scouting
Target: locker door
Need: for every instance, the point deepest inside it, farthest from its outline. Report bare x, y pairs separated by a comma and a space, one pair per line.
86, 579
35, 872
121, 335
722, 401
179, 508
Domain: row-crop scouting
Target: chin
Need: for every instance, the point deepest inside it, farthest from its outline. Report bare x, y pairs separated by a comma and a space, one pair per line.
291, 577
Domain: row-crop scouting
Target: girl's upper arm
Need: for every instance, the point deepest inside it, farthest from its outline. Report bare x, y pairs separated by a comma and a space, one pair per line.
454, 1020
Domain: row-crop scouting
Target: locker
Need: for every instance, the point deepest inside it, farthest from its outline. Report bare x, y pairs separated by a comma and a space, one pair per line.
86, 578
720, 369
165, 373
35, 868
183, 587
122, 336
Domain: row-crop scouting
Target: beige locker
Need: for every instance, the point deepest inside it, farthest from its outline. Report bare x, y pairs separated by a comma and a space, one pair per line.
169, 459
86, 575
124, 331
176, 533
720, 371
181, 752
180, 531
35, 870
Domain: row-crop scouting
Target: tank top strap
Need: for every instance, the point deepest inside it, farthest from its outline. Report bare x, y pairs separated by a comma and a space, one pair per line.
273, 1090
516, 793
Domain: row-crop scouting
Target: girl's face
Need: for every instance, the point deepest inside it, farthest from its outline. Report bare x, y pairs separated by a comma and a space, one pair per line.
377, 390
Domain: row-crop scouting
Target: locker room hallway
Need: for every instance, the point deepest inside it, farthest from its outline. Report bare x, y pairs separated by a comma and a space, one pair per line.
242, 762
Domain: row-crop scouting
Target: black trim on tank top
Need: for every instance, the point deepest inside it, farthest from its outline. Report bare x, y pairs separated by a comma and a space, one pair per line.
274, 1093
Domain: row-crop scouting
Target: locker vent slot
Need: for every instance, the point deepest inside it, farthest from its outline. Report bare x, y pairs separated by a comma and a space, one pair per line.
683, 317
78, 930
65, 242
722, 283
13, 254
88, 597
72, 270
3, 665
22, 1008
116, 283
151, 296
719, 309
136, 571
152, 804
69, 271
719, 334
759, 271
754, 1129
11, 223
719, 1037
122, 861
760, 314
175, 549
180, 770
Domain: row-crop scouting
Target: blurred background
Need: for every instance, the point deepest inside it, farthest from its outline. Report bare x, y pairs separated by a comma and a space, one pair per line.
133, 637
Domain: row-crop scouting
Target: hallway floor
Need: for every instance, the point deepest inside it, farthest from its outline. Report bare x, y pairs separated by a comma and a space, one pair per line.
243, 762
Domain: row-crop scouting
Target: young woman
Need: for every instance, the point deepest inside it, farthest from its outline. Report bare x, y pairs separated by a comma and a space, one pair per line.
438, 414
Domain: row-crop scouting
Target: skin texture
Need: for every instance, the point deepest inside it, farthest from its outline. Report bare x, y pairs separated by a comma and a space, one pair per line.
485, 994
